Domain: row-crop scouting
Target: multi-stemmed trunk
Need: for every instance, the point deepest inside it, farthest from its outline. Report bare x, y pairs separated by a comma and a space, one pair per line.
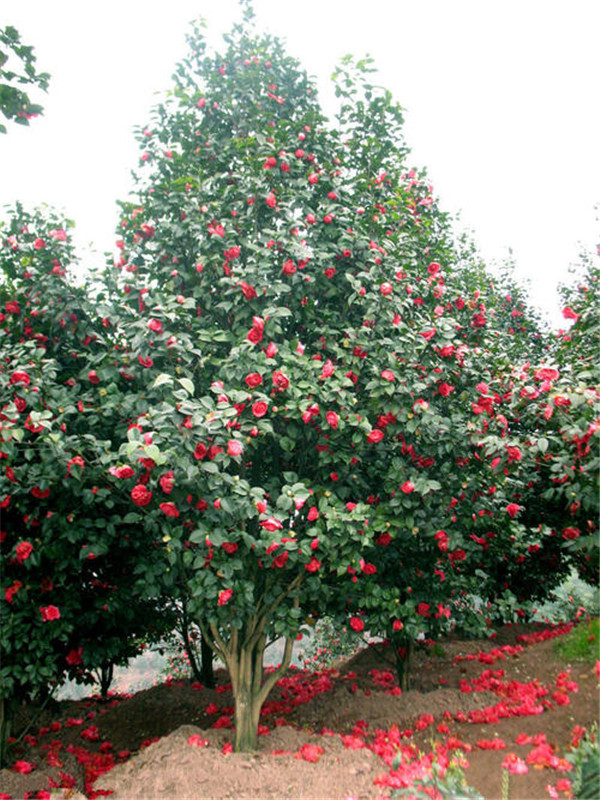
251, 687
243, 653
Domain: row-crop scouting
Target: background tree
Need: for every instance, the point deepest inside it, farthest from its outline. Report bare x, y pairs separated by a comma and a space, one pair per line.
68, 551
17, 74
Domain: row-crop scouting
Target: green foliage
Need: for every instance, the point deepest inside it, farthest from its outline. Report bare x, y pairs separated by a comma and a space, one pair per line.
292, 395
18, 70
570, 600
69, 551
580, 644
441, 777
586, 762
325, 643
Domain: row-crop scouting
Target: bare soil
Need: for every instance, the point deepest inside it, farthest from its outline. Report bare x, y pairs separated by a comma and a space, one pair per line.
170, 742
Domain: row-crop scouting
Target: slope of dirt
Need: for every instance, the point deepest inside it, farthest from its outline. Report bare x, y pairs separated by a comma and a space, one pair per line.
332, 734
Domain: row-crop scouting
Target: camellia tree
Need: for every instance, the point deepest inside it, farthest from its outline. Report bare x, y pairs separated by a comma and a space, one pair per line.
477, 553
67, 607
307, 371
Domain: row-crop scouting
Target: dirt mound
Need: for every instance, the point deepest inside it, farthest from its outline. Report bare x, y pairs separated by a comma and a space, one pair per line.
173, 768
332, 734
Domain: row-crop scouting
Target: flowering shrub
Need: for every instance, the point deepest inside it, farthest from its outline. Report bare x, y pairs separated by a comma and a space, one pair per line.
68, 550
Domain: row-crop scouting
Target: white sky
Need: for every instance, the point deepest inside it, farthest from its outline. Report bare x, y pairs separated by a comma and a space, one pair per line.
501, 101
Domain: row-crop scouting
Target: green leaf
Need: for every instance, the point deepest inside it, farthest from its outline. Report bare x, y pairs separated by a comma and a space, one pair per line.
162, 379
187, 384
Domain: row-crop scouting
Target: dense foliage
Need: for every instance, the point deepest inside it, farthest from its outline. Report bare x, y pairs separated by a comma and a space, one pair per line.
18, 73
294, 394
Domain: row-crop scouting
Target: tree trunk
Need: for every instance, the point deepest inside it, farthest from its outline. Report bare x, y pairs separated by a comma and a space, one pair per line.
207, 675
250, 688
243, 651
106, 676
246, 674
403, 653
7, 711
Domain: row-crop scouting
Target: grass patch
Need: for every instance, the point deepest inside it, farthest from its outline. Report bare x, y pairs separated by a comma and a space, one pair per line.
580, 644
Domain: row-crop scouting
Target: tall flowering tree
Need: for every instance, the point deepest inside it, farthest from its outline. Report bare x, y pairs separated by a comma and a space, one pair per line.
308, 371
68, 549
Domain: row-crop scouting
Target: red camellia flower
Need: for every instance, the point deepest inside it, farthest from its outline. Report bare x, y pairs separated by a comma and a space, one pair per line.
41, 494
386, 289
200, 451
24, 767
408, 487
122, 472
546, 374
514, 454
248, 291
512, 509
357, 624
313, 565
23, 551
271, 200
423, 609
146, 362
570, 533
253, 379
310, 752
375, 436
388, 375
155, 325
281, 560
74, 657
567, 312
280, 381
561, 401
49, 613
313, 514
433, 268
11, 591
195, 740
93, 376
397, 625
76, 461
169, 509
444, 389
259, 409
225, 596
12, 307
328, 369
271, 524
140, 495
20, 377
332, 419
167, 481
428, 335
235, 447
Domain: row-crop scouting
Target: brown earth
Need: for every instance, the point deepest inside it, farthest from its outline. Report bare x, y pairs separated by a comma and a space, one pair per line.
348, 712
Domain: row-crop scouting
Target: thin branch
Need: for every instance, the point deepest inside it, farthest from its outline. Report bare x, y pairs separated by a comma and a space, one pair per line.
273, 677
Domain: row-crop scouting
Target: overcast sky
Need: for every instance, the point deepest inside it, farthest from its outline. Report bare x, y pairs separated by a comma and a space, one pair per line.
500, 99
